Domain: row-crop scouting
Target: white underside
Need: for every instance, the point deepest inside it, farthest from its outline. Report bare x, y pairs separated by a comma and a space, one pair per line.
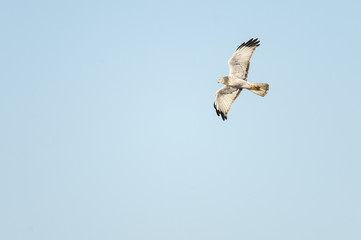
239, 83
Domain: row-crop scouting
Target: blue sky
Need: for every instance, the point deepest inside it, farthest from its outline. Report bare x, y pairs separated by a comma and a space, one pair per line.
108, 129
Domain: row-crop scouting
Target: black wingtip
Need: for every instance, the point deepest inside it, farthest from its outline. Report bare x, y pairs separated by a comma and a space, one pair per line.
214, 105
224, 117
250, 43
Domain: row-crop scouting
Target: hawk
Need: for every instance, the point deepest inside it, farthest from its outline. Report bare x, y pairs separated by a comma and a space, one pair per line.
237, 79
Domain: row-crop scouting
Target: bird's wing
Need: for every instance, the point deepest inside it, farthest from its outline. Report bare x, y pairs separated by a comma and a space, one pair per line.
225, 97
239, 62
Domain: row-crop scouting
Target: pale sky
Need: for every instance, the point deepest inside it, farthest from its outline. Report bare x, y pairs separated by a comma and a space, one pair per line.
108, 129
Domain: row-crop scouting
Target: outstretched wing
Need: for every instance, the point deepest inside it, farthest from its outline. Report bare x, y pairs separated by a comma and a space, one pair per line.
225, 97
239, 62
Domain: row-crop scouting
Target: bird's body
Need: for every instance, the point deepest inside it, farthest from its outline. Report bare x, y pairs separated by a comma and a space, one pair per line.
238, 83
237, 79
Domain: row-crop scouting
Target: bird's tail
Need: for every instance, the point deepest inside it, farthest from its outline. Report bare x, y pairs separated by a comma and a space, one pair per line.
259, 88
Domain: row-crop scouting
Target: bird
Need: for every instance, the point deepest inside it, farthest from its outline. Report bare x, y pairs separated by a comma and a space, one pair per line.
237, 80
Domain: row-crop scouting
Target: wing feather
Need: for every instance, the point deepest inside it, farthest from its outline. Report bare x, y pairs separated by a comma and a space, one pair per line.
224, 99
240, 60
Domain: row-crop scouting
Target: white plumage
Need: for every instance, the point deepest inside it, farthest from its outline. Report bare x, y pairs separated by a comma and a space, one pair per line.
237, 79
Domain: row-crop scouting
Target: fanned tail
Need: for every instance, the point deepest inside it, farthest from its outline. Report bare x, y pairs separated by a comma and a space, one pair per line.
259, 88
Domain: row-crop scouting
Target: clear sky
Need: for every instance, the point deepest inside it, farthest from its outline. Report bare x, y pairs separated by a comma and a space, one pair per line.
108, 131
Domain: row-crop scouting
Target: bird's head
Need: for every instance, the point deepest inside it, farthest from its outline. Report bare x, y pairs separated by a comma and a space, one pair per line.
223, 80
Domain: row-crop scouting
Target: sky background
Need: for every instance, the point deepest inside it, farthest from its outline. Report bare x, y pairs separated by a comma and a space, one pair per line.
108, 131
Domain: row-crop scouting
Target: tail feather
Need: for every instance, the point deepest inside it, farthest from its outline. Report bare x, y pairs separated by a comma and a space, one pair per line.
259, 88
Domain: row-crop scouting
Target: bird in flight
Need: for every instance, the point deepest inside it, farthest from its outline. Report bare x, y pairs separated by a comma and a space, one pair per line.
237, 79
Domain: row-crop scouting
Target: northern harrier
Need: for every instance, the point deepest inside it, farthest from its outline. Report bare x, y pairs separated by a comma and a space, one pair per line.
237, 79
